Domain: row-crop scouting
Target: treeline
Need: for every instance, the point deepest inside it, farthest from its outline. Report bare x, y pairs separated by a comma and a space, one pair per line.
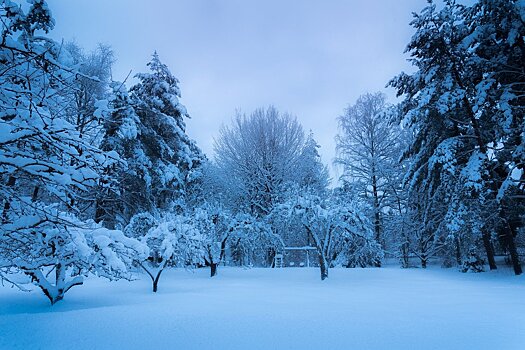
96, 177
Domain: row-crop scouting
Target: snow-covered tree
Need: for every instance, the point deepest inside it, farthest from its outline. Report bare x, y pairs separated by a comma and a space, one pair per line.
464, 105
172, 240
258, 155
45, 165
368, 150
311, 173
496, 39
89, 88
214, 225
121, 190
146, 128
173, 158
252, 240
339, 231
58, 252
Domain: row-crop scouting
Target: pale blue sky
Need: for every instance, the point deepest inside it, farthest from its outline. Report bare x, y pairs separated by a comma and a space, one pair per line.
310, 58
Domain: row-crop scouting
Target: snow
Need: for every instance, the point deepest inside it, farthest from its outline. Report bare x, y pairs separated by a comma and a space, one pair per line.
290, 308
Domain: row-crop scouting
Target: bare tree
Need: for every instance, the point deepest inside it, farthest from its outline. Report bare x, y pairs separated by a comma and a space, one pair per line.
367, 149
258, 154
88, 88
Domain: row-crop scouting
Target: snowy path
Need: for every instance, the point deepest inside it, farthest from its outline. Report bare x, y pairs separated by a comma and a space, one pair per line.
385, 308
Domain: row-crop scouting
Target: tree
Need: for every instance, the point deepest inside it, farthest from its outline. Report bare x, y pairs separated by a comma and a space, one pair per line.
311, 173
258, 154
497, 29
213, 223
250, 240
147, 130
173, 158
45, 165
121, 189
368, 148
172, 241
463, 104
90, 87
339, 232
57, 254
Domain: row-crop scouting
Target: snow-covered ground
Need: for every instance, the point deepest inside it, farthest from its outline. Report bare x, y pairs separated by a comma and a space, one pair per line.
387, 308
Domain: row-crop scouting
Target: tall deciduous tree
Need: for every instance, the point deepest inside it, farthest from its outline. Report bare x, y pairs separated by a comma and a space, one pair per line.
259, 154
368, 148
90, 87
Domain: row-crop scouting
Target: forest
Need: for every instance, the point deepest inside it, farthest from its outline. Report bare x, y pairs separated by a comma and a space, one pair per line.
100, 178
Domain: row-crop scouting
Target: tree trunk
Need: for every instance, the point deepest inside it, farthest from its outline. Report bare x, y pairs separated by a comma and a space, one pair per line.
405, 249
54, 298
324, 266
56, 292
156, 281
99, 211
405, 262
34, 196
489, 249
458, 250
424, 261
270, 257
377, 217
7, 205
511, 245
213, 269
155, 285
223, 250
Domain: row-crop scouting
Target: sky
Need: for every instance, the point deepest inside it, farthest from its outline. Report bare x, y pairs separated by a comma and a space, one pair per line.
310, 58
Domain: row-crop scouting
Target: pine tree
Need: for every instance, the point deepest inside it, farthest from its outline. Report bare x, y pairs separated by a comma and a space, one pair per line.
463, 104
147, 129
173, 158
311, 172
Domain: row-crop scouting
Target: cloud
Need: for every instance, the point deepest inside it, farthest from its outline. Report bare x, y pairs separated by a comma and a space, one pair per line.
307, 57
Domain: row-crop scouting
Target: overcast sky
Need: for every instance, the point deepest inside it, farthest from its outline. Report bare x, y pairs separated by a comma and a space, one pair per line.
307, 57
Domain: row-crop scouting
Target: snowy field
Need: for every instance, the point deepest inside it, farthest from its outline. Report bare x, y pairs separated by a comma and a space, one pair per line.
387, 308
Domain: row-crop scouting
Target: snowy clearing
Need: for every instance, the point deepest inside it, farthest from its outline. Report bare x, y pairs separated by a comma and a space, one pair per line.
387, 308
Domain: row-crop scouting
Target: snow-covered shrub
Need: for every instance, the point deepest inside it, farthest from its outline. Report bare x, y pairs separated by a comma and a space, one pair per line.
251, 239
362, 252
473, 263
213, 223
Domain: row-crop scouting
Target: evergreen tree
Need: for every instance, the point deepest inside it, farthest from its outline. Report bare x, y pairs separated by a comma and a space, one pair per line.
311, 172
463, 104
148, 131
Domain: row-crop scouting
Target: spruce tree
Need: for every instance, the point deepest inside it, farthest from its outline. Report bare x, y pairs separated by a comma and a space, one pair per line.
147, 129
